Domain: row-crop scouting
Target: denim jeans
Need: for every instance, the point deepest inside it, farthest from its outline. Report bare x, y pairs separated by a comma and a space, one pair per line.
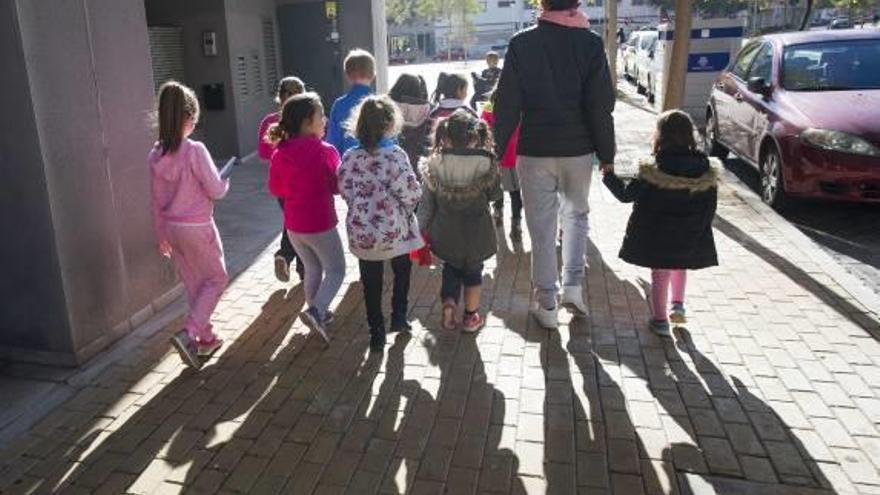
455, 278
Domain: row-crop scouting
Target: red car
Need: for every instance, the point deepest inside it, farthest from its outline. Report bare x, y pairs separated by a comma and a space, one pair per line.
804, 108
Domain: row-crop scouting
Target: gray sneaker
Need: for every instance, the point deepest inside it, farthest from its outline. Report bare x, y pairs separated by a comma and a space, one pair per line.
207, 349
660, 327
678, 315
282, 269
187, 349
314, 320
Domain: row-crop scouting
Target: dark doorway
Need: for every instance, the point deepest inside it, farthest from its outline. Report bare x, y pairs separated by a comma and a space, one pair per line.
307, 51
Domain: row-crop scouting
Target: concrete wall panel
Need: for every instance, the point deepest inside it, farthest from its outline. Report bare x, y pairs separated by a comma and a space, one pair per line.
33, 314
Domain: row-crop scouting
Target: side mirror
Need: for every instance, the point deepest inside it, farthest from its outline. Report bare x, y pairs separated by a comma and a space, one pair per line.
759, 86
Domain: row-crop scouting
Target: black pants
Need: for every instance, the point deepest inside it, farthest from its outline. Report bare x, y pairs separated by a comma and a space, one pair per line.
516, 204
372, 278
456, 278
286, 249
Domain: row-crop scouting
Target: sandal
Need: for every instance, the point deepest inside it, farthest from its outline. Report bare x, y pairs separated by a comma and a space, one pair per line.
450, 322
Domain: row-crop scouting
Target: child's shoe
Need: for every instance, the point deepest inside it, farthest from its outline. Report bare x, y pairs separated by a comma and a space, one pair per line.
329, 318
187, 349
377, 341
473, 322
678, 315
660, 327
498, 214
450, 322
400, 325
282, 269
314, 320
515, 230
209, 347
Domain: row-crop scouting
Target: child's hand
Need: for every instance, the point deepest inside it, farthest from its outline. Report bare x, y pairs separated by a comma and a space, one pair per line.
606, 168
165, 249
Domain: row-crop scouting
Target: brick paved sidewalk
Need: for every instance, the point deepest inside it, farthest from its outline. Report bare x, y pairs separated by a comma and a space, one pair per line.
770, 389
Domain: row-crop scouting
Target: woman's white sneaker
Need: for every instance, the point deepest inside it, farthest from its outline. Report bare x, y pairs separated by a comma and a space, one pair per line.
573, 300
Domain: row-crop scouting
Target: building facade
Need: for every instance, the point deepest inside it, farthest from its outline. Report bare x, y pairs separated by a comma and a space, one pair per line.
79, 266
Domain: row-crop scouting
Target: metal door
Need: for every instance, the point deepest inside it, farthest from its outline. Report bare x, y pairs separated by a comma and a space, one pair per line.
308, 50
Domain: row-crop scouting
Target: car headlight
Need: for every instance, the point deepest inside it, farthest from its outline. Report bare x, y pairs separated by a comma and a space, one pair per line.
839, 141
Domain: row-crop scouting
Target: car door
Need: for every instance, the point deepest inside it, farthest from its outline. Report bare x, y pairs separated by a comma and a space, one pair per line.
753, 109
728, 96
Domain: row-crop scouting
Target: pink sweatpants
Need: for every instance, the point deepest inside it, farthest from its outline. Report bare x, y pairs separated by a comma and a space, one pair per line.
660, 282
198, 252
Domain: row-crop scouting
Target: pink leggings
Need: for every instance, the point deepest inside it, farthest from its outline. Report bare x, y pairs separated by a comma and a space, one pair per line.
660, 282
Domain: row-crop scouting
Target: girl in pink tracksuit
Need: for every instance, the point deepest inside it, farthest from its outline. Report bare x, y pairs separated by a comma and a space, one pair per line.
184, 184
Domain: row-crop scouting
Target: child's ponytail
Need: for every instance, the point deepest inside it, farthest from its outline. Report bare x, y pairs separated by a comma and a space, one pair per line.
463, 130
177, 105
294, 113
438, 91
377, 117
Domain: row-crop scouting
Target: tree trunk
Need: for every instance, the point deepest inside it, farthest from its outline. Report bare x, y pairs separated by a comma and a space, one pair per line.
676, 76
611, 38
806, 20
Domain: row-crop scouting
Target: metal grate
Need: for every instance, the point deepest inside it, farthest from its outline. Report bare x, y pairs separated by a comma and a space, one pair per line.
270, 54
257, 75
166, 54
241, 76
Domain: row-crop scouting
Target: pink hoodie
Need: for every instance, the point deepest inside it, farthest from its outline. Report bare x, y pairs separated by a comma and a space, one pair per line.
184, 185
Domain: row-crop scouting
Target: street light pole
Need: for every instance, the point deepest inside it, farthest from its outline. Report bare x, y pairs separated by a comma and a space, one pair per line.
676, 76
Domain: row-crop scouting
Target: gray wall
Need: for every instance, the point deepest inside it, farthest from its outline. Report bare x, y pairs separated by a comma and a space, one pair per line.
90, 89
33, 314
218, 129
245, 29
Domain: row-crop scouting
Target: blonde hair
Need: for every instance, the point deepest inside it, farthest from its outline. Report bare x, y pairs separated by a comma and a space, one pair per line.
177, 104
376, 117
360, 64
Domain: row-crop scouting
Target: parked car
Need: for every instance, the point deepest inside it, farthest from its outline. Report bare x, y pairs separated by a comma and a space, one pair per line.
628, 55
803, 108
648, 66
841, 23
643, 57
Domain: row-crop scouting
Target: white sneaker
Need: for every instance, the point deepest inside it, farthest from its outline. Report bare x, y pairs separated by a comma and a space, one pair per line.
547, 318
573, 300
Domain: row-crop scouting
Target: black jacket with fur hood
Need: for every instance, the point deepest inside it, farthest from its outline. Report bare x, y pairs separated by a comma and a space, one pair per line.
671, 223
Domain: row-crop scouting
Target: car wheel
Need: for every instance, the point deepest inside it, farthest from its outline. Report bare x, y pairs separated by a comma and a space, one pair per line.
772, 183
711, 144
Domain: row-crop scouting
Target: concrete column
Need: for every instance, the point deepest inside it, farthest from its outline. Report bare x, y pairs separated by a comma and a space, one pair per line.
80, 147
380, 45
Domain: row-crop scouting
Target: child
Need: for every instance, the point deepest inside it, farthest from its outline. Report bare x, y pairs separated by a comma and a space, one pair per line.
460, 181
485, 81
411, 95
184, 185
509, 180
303, 174
382, 192
360, 70
449, 96
287, 87
670, 229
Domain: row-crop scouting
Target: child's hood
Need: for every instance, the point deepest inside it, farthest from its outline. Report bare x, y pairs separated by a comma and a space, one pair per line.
169, 166
459, 175
414, 113
693, 172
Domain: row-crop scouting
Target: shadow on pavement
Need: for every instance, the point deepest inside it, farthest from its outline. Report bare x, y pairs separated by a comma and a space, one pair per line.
840, 304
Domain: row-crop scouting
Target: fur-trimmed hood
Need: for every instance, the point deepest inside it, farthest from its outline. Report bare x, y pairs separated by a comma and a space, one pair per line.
460, 175
652, 173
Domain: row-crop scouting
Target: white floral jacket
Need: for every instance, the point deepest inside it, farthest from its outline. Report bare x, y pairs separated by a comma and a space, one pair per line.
382, 193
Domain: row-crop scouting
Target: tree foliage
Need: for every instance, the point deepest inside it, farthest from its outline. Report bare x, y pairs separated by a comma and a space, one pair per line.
402, 11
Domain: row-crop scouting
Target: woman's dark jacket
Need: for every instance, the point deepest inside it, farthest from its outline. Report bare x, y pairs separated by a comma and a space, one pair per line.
671, 223
556, 82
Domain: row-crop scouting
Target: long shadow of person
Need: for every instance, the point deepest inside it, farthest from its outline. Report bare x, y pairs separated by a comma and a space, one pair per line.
201, 423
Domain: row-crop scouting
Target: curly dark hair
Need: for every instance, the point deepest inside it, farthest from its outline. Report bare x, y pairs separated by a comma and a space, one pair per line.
462, 130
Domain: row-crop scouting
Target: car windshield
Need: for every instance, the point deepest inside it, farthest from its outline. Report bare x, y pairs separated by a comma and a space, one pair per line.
832, 66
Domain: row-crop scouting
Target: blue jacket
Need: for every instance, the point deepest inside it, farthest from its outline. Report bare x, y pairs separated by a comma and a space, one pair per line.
341, 111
